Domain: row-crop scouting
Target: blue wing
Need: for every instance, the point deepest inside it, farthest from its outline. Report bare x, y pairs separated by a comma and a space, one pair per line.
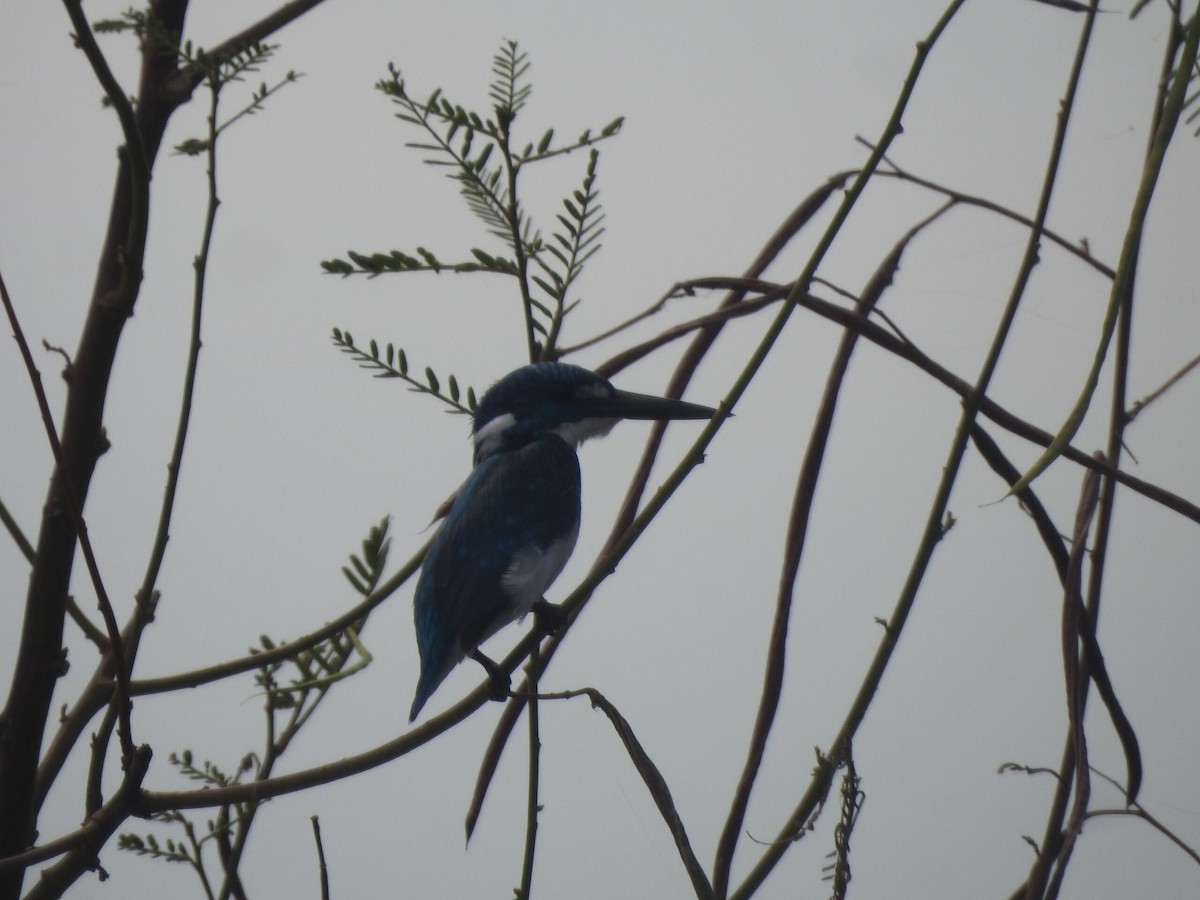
506, 538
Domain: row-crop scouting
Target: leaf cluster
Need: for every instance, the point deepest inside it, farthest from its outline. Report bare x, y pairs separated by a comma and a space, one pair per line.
169, 851
479, 153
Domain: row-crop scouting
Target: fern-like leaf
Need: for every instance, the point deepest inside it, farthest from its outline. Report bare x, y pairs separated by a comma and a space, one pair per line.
373, 264
570, 248
392, 362
509, 92
464, 142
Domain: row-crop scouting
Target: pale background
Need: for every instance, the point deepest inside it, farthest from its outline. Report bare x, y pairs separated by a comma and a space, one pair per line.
733, 112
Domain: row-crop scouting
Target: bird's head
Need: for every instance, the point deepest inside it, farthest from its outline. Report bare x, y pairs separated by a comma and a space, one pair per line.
566, 400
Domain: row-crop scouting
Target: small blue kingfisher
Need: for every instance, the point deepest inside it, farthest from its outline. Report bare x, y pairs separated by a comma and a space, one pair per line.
514, 522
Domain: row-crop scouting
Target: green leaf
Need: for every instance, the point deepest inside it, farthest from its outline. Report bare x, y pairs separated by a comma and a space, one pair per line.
354, 582
613, 127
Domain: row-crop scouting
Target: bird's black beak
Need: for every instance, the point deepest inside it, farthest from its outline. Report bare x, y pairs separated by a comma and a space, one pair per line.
628, 405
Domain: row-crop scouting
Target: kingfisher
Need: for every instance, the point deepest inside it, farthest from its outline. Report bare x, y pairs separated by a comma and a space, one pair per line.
513, 523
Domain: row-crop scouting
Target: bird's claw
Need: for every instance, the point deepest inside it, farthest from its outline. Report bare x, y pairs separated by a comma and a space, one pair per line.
499, 686
551, 617
499, 681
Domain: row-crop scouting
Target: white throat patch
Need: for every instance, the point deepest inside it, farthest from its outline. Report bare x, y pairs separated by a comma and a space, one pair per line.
575, 433
488, 438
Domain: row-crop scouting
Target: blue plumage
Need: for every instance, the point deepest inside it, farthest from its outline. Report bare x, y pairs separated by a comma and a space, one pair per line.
514, 522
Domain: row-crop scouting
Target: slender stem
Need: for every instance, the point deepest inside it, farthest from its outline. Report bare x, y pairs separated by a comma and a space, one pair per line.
17, 534
794, 542
1042, 882
905, 350
651, 777
933, 530
512, 212
1122, 288
1080, 252
200, 265
75, 508
89, 629
531, 805
322, 868
1074, 669
197, 860
1140, 405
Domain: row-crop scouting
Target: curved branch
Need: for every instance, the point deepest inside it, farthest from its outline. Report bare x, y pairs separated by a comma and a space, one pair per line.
933, 530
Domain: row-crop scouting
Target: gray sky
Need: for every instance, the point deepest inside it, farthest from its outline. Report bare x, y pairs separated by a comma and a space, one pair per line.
734, 112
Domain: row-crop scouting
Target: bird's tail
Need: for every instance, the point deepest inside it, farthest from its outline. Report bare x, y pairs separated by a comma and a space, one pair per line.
425, 688
435, 666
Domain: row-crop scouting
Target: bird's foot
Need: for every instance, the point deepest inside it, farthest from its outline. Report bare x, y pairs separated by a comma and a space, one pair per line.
499, 682
551, 617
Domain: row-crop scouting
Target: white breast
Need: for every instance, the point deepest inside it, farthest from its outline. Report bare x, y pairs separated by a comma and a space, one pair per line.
533, 570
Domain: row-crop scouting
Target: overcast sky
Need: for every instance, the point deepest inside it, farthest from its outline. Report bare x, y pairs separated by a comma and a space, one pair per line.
734, 112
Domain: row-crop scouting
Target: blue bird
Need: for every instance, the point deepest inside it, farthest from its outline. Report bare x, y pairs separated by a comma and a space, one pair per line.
513, 524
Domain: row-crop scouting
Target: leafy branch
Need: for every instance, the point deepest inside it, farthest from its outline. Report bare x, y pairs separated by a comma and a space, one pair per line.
477, 152
572, 247
191, 852
196, 146
452, 130
372, 264
318, 668
393, 363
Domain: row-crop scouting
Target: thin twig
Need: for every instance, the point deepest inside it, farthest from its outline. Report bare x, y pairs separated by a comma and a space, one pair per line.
955, 196
1123, 282
121, 696
1040, 873
797, 533
17, 534
324, 870
1096, 669
513, 214
200, 265
89, 629
134, 153
651, 777
1138, 811
1075, 676
1140, 405
906, 350
531, 804
933, 530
